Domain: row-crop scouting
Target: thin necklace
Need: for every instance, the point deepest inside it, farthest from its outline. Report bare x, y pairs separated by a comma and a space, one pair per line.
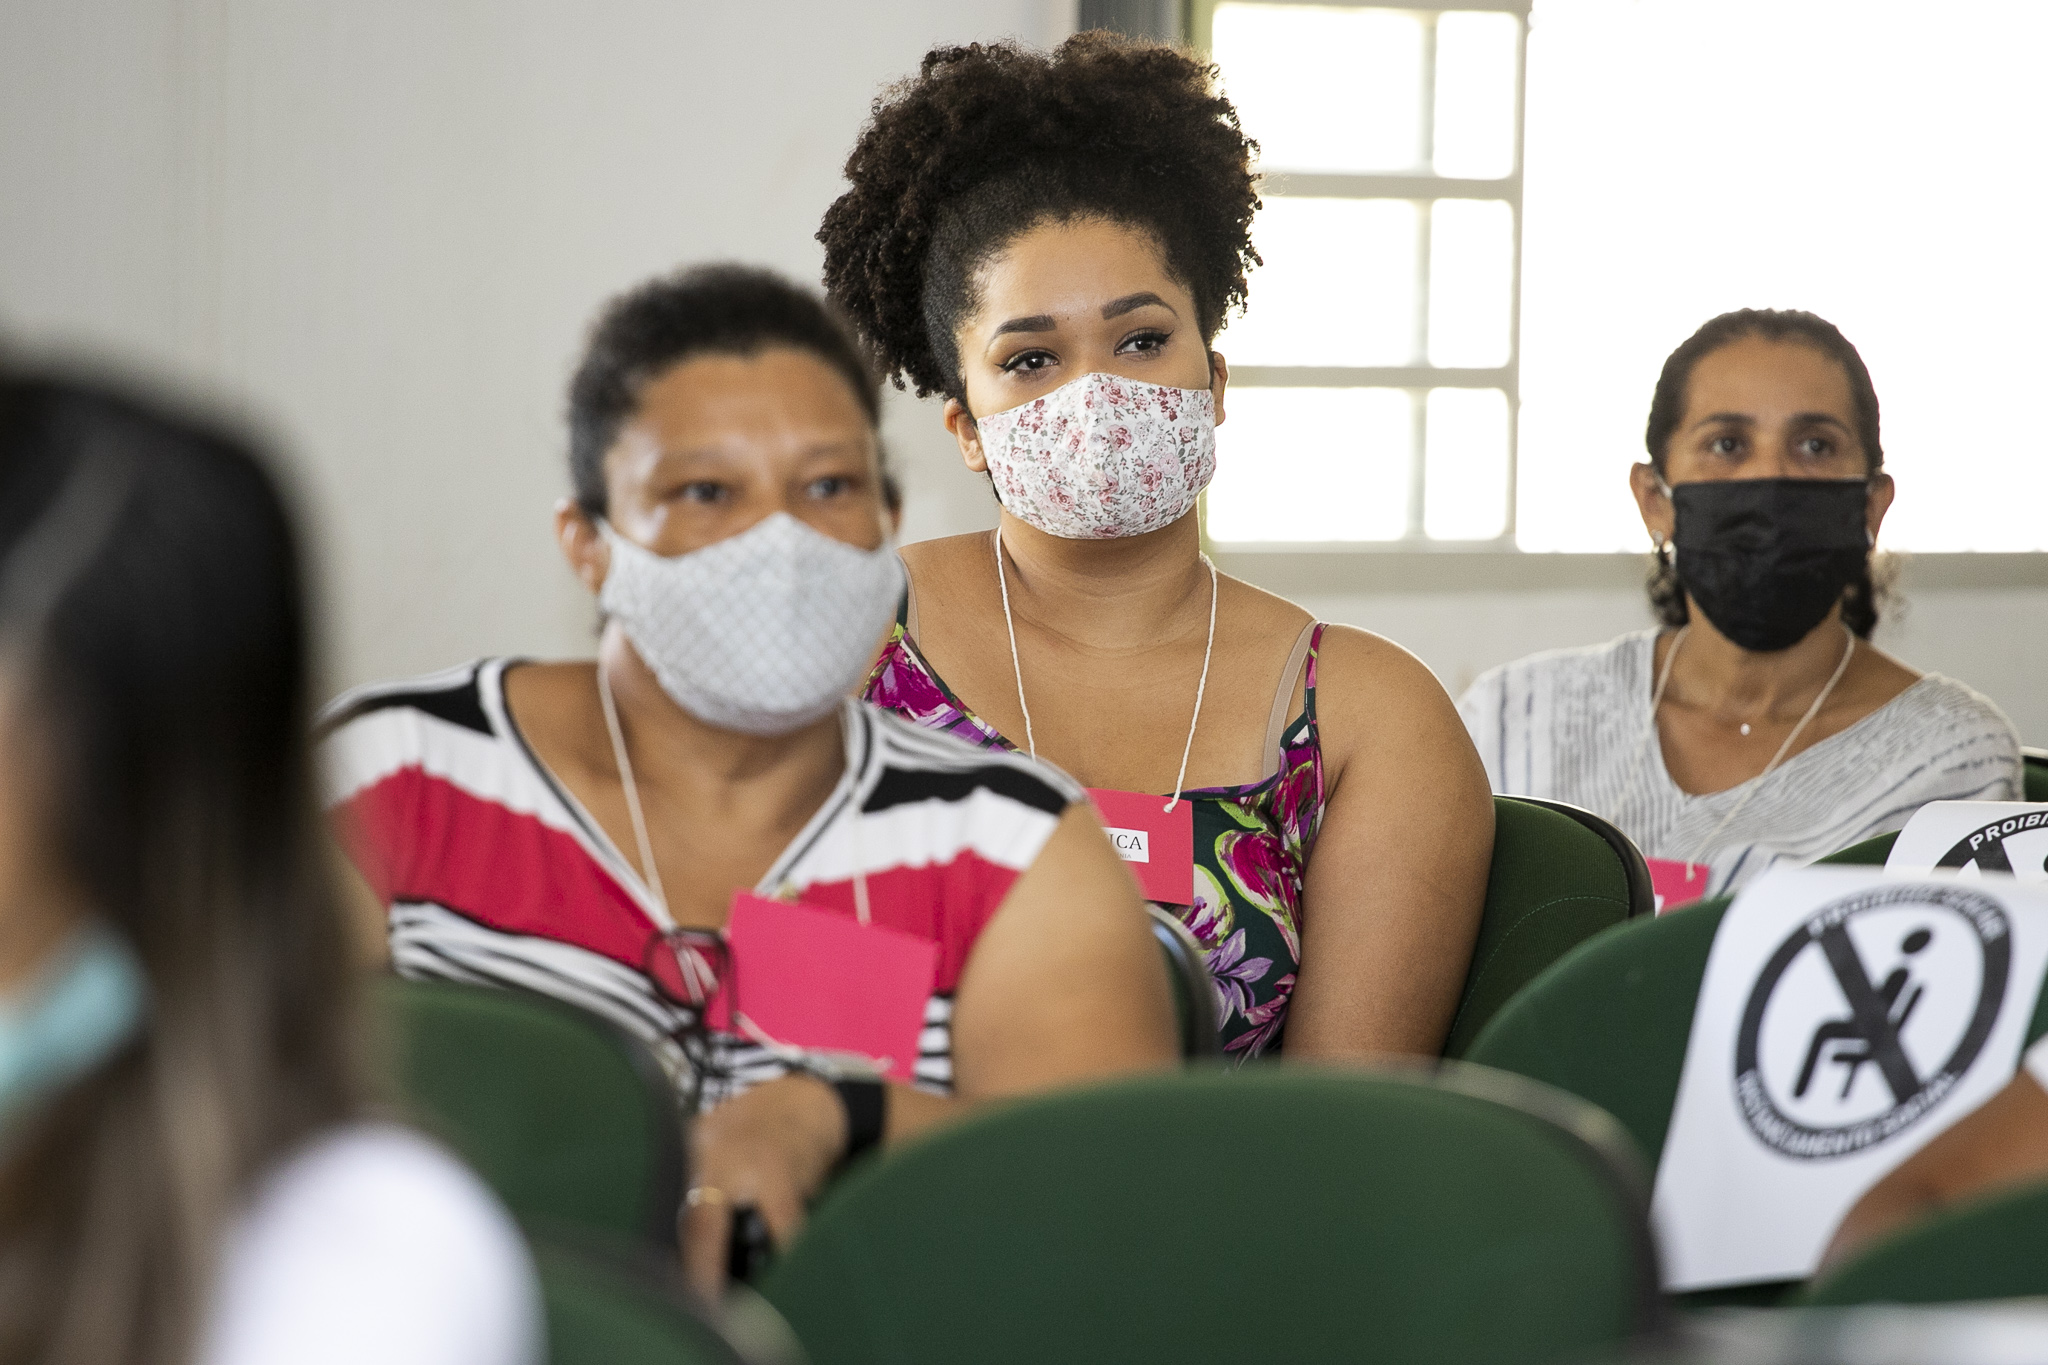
1201, 687
649, 872
1749, 788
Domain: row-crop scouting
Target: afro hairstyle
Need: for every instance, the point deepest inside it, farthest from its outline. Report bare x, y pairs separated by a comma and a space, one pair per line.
988, 141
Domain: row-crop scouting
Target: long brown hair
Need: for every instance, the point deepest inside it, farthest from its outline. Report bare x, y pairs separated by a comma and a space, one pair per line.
170, 678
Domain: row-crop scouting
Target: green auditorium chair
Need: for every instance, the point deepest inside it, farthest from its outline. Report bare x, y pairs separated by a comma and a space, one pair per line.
1995, 1248
1194, 990
1560, 874
1264, 1213
2036, 788
570, 1121
1610, 1023
601, 1309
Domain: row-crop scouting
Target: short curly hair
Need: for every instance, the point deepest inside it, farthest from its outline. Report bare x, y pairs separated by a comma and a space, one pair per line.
990, 140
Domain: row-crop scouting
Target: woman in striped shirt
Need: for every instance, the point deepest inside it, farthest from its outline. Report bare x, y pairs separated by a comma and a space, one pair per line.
1757, 724
582, 829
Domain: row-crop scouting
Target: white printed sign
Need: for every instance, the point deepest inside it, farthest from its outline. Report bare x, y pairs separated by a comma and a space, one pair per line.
1975, 837
1131, 844
1846, 1016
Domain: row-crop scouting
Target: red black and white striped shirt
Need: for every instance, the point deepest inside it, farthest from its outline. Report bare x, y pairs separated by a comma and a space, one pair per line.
493, 873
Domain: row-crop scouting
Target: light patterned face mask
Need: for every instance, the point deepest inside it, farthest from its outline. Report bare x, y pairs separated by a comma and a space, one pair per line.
763, 632
1102, 457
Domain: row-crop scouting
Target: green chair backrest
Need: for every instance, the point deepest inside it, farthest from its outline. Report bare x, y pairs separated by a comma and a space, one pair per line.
1610, 1021
570, 1121
1194, 989
1610, 1024
1391, 1219
1987, 1249
602, 1313
2035, 778
1556, 880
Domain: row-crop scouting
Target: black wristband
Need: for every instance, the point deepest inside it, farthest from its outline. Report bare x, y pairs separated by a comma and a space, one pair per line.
866, 1102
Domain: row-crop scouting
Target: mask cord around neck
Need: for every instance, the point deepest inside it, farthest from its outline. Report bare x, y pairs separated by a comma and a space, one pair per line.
1749, 788
1016, 667
648, 871
1201, 686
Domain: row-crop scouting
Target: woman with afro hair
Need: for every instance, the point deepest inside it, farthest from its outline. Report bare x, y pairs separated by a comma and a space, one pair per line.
1051, 241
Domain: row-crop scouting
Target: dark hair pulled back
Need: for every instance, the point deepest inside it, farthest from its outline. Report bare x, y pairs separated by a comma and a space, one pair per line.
1862, 597
733, 310
989, 141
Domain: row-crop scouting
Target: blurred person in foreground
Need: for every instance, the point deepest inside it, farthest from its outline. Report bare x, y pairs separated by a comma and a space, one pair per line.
185, 1170
1999, 1147
1755, 723
586, 828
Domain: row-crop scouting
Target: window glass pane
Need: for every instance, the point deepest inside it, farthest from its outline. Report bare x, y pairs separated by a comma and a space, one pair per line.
1465, 480
1905, 205
1338, 286
1312, 464
1471, 281
1475, 94
1324, 87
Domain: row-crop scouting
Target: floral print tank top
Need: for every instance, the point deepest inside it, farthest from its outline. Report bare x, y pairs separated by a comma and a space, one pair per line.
1252, 845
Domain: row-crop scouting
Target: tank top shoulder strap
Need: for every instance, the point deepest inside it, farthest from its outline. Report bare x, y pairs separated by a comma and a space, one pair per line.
1308, 685
1304, 651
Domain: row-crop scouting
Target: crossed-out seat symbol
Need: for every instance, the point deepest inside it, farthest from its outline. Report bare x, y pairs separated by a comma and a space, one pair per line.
1869, 1033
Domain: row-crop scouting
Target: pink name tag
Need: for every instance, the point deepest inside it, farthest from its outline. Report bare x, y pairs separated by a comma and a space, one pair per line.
821, 980
1156, 844
1677, 883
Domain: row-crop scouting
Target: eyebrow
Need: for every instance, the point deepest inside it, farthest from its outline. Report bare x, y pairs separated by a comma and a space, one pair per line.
1116, 308
1743, 419
1037, 322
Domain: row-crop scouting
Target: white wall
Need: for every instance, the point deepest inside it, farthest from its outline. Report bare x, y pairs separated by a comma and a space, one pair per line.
382, 226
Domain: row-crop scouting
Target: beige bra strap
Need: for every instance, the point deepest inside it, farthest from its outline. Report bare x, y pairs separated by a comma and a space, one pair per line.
1278, 722
910, 604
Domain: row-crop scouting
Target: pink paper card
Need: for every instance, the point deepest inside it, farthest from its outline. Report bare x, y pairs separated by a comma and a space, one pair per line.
819, 979
1677, 883
1156, 844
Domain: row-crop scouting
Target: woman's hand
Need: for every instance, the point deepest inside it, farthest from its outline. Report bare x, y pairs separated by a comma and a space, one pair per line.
771, 1147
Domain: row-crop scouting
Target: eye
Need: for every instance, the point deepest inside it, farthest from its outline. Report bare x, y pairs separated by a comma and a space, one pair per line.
1725, 445
1029, 362
704, 492
1816, 447
831, 486
1147, 342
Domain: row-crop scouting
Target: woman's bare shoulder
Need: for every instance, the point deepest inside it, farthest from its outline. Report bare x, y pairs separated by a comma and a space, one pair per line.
1255, 612
947, 554
1357, 664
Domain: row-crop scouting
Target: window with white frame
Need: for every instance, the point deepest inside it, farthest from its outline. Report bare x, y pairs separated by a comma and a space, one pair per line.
1374, 381
1403, 377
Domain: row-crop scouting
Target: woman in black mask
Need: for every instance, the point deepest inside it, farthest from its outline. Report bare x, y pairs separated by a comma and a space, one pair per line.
1757, 723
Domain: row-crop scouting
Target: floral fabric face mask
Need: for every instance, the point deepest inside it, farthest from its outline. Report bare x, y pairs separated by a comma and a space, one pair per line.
1102, 457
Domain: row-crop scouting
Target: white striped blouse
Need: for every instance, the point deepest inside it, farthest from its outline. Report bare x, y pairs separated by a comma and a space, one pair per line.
1574, 725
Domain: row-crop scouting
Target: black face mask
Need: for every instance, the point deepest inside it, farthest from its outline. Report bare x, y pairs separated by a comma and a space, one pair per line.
1766, 559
